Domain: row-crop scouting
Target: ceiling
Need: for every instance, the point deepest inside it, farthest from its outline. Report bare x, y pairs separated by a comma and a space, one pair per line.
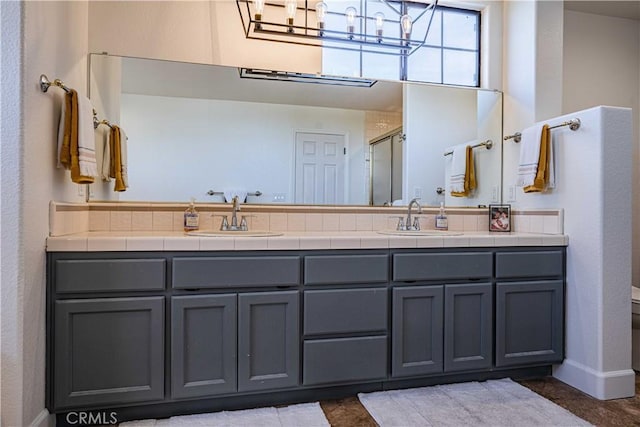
150, 77
621, 9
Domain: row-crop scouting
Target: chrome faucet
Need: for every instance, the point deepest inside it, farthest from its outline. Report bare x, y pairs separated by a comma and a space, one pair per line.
225, 226
408, 225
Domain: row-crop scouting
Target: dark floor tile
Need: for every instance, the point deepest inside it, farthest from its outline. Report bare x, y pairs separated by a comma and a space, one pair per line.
347, 412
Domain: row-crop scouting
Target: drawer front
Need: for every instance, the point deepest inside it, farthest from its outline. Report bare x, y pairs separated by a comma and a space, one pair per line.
215, 272
438, 266
339, 269
345, 311
109, 275
529, 264
344, 360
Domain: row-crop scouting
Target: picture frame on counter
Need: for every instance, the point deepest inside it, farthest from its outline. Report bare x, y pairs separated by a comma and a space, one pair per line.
500, 218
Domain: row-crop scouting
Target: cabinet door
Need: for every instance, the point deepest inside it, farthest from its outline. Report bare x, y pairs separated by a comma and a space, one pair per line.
416, 347
529, 322
203, 345
268, 340
108, 351
468, 326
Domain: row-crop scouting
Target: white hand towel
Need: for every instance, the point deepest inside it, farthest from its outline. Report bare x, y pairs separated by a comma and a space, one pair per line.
529, 155
86, 138
123, 158
106, 159
63, 115
231, 193
458, 168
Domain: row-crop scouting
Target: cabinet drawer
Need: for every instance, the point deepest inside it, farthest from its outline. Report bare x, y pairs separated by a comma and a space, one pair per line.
109, 275
438, 266
344, 359
529, 264
345, 311
213, 272
336, 269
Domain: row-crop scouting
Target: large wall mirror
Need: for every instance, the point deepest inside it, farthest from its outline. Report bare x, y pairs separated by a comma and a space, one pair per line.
196, 128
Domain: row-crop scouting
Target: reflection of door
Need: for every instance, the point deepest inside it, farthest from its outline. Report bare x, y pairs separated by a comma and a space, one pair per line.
386, 168
319, 168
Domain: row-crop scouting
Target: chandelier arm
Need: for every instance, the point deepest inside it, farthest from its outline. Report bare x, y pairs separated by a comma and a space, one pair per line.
391, 7
426, 34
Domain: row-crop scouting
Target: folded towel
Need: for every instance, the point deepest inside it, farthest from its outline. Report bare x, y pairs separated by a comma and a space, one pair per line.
534, 165
106, 159
123, 157
76, 143
230, 194
463, 174
116, 158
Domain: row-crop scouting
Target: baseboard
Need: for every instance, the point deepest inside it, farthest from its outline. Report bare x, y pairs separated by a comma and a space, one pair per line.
601, 385
44, 419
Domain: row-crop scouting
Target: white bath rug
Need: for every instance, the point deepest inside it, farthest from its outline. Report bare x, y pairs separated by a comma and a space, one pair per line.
302, 415
491, 403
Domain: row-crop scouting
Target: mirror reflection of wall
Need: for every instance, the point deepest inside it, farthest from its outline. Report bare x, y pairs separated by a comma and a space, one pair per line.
194, 128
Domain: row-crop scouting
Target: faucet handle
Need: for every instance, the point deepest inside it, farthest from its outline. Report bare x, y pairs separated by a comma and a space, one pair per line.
224, 226
416, 224
243, 223
400, 225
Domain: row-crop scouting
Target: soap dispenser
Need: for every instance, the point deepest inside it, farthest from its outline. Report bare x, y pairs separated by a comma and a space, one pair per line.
441, 219
191, 217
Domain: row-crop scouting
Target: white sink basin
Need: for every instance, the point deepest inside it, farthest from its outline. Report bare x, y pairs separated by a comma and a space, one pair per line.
420, 233
239, 233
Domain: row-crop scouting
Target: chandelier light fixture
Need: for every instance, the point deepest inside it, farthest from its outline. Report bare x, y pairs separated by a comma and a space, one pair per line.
306, 22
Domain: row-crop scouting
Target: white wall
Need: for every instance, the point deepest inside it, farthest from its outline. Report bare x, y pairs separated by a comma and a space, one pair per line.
602, 67
230, 145
49, 45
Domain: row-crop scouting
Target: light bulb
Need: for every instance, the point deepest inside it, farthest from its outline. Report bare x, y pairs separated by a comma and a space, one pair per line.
259, 6
351, 13
321, 12
379, 24
406, 23
291, 7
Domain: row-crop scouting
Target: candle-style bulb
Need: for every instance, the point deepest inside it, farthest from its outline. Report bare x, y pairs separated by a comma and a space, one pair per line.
351, 13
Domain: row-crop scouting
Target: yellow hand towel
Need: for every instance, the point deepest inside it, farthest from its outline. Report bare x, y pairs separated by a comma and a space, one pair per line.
115, 169
469, 175
69, 154
541, 180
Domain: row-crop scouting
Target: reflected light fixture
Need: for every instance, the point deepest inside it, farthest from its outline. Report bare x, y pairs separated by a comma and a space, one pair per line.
379, 17
286, 76
314, 23
291, 6
321, 13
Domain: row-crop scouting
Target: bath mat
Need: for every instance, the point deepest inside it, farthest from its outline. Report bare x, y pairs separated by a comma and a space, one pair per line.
302, 415
490, 403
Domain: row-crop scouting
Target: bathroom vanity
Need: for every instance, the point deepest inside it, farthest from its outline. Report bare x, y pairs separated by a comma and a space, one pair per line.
158, 333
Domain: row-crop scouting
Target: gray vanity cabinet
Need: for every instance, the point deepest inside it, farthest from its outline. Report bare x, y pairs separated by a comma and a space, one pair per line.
417, 331
204, 331
468, 326
268, 340
530, 307
108, 351
529, 322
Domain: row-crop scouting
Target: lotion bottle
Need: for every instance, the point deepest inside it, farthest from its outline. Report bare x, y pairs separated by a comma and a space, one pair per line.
191, 217
441, 219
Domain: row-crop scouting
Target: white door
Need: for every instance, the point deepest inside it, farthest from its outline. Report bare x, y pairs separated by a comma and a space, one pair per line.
320, 160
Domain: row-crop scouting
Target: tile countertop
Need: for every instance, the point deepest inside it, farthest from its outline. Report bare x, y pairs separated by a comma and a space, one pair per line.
178, 241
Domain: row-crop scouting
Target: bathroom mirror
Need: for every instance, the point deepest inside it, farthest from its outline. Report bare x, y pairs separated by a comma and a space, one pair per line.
194, 129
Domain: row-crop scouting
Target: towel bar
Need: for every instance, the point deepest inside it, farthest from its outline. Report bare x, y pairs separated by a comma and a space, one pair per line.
573, 125
215, 193
488, 144
45, 84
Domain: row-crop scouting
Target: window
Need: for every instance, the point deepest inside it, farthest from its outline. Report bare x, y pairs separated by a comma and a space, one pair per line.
450, 55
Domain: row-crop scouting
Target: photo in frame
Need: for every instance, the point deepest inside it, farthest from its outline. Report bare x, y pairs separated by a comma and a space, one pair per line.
500, 218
